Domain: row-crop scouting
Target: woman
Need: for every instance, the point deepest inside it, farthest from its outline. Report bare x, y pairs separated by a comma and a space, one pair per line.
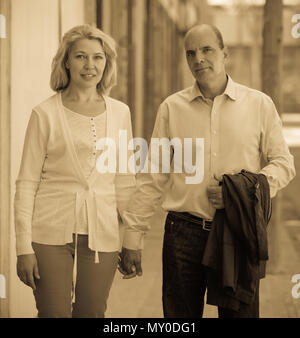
66, 212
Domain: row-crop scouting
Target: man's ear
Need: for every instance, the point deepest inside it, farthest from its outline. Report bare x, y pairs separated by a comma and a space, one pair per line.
225, 51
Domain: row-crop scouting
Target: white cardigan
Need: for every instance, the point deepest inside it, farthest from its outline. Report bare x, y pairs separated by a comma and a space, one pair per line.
51, 187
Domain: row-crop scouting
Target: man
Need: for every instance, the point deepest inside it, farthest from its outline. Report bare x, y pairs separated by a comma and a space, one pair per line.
240, 126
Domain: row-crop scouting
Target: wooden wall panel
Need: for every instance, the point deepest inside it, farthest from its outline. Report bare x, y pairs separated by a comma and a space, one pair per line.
35, 35
136, 65
5, 150
149, 72
162, 61
72, 13
90, 12
119, 31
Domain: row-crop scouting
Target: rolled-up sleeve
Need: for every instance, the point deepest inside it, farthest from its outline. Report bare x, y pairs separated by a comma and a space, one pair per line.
125, 181
150, 187
279, 169
27, 182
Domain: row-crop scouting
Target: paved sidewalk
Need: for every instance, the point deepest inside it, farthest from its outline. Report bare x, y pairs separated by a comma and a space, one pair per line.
141, 297
276, 289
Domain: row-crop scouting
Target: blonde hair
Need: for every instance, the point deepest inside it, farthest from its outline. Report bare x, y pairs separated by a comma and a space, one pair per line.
60, 76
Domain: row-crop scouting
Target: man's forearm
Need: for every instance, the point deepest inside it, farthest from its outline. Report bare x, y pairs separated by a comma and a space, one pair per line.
141, 208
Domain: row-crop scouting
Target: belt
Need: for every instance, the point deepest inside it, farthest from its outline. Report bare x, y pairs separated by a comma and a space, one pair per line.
206, 225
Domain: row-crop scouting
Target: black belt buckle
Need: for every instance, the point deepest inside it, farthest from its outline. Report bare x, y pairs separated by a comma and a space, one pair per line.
206, 225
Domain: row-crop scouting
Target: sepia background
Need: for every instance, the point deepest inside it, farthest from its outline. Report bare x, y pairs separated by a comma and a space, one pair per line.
151, 66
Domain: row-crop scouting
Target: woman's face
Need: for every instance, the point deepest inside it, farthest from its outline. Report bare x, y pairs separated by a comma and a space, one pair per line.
86, 63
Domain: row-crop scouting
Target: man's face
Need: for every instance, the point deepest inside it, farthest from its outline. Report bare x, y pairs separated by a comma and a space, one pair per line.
205, 58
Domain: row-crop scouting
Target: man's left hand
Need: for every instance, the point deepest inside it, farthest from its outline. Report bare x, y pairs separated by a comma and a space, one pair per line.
215, 196
130, 263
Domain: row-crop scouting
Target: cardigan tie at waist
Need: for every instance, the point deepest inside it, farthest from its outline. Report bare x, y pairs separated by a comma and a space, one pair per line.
87, 197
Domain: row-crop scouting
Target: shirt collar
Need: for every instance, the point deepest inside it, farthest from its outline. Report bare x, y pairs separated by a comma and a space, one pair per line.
230, 90
195, 92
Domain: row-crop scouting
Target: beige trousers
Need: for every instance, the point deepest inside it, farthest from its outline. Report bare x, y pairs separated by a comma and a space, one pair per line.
53, 292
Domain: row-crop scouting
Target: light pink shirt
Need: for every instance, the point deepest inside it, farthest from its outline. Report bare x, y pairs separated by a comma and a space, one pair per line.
241, 129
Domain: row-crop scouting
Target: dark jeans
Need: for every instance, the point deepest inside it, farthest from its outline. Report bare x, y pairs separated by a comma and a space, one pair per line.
184, 277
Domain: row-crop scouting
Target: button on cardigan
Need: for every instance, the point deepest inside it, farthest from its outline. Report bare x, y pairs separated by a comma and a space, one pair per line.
51, 186
85, 132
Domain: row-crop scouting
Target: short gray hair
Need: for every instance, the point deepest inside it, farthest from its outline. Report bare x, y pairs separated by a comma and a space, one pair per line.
213, 28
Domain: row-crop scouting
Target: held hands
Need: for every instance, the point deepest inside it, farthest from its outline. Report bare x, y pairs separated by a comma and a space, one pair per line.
130, 263
27, 269
214, 193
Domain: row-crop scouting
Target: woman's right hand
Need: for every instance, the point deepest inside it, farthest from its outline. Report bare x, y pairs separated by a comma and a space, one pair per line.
27, 269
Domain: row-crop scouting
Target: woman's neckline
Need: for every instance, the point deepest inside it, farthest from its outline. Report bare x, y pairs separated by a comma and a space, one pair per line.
81, 114
86, 116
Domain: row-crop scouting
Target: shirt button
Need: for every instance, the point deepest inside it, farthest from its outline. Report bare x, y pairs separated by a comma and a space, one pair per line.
214, 132
215, 154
